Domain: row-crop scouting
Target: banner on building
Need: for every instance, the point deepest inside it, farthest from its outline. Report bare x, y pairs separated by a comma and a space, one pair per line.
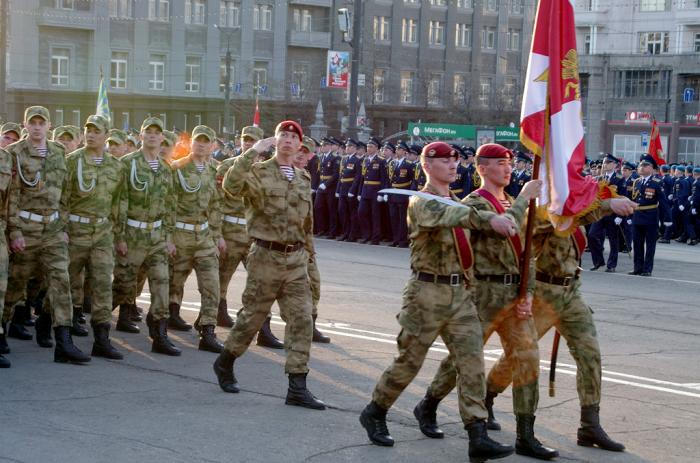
338, 69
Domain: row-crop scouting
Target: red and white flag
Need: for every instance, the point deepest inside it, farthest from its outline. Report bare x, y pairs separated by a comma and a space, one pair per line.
256, 116
656, 151
550, 120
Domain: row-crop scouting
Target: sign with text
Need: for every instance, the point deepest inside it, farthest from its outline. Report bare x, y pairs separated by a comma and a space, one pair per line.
442, 131
638, 116
507, 134
338, 69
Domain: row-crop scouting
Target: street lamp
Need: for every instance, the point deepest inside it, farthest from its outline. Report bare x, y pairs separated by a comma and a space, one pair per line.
227, 89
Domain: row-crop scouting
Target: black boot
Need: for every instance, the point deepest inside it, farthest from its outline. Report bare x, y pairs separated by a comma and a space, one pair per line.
134, 314
318, 336
152, 326
592, 434
87, 305
297, 394
373, 419
43, 330
4, 347
491, 423
17, 329
25, 315
223, 369
124, 322
161, 343
102, 347
223, 319
65, 351
208, 341
426, 414
175, 321
4, 363
77, 329
481, 446
526, 443
266, 338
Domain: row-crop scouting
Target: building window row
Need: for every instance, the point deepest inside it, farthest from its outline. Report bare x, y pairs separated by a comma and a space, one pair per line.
653, 43
229, 13
195, 12
641, 84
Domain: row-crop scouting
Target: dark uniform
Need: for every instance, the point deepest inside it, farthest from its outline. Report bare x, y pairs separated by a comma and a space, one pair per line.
419, 178
325, 205
625, 234
520, 176
678, 197
606, 226
695, 207
460, 187
350, 173
402, 175
374, 178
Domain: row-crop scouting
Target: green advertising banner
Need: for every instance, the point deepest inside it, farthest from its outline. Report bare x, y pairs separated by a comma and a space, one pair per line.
442, 131
507, 134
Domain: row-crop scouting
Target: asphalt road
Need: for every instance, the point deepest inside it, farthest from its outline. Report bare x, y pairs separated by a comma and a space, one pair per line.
149, 407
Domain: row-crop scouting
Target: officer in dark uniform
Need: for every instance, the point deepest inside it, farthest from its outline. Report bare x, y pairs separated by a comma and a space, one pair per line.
419, 176
521, 174
350, 169
606, 226
688, 227
679, 204
374, 178
402, 175
629, 174
695, 206
325, 207
460, 186
648, 192
314, 168
388, 153
354, 193
474, 179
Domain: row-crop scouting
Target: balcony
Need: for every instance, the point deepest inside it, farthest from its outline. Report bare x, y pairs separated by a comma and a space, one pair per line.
72, 19
321, 3
310, 39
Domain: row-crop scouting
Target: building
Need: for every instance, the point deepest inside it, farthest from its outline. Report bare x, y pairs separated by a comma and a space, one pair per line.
640, 59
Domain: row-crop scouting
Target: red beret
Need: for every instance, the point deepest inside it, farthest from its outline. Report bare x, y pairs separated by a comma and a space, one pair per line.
494, 151
439, 149
290, 126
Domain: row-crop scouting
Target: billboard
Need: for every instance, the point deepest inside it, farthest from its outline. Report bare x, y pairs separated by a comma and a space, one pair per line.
338, 69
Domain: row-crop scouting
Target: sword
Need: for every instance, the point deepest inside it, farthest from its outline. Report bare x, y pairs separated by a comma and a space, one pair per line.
421, 194
553, 362
624, 240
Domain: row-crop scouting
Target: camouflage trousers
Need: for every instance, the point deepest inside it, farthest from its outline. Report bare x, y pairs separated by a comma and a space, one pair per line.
4, 266
91, 252
237, 247
564, 308
431, 310
315, 285
196, 251
145, 248
282, 277
495, 304
44, 254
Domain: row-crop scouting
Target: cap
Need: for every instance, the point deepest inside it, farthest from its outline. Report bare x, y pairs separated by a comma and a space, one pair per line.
101, 122
416, 149
39, 111
133, 139
71, 130
204, 130
665, 168
610, 158
494, 151
646, 159
402, 145
688, 169
11, 127
350, 142
117, 136
335, 141
520, 156
696, 170
250, 131
390, 146
439, 149
363, 145
149, 121
169, 138
290, 126
374, 141
308, 143
469, 150
628, 165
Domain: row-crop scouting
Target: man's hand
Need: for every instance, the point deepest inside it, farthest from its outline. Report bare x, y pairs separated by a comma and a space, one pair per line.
618, 220
172, 250
221, 245
523, 309
350, 195
380, 198
681, 208
668, 224
17, 245
121, 248
670, 197
265, 144
623, 206
386, 198
322, 187
337, 195
503, 225
694, 211
629, 221
531, 189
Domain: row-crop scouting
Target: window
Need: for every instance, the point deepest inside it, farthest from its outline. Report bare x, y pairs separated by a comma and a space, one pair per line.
76, 118
125, 121
260, 76
653, 43
195, 11
437, 33
508, 95
262, 17
198, 119
382, 29
157, 72
652, 5
410, 1
118, 70
465, 4
587, 44
407, 78
688, 150
513, 39
641, 84
463, 37
409, 31
697, 42
230, 13
65, 5
485, 86
515, 6
159, 10
58, 118
378, 87
120, 8
302, 20
301, 76
488, 38
164, 118
630, 147
60, 66
491, 6
222, 74
438, 2
459, 90
435, 90
193, 72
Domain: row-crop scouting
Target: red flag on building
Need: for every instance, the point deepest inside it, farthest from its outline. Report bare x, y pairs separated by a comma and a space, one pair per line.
256, 116
656, 151
550, 121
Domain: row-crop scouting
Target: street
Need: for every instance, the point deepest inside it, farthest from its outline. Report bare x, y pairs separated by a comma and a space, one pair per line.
150, 407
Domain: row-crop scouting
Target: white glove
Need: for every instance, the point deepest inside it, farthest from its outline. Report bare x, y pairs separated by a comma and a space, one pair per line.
337, 195
670, 197
386, 198
694, 211
618, 220
629, 221
668, 224
350, 195
322, 187
380, 198
681, 208
313, 191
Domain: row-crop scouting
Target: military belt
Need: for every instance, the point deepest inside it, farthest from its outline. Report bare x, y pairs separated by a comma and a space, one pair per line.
326, 177
458, 190
507, 279
144, 225
647, 207
38, 217
87, 220
559, 281
373, 182
401, 185
454, 279
281, 247
234, 220
193, 227
347, 180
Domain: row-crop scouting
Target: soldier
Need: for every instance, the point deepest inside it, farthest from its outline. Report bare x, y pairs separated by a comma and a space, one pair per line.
5, 179
648, 192
497, 269
144, 237
695, 206
402, 175
116, 143
68, 136
625, 225
679, 203
167, 148
36, 230
9, 134
475, 180
325, 205
688, 226
438, 301
388, 154
521, 174
197, 235
420, 177
132, 144
460, 186
606, 226
374, 178
90, 207
350, 171
280, 221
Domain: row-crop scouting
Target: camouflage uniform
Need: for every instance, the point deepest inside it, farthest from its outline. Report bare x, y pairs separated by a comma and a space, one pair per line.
279, 214
494, 256
5, 180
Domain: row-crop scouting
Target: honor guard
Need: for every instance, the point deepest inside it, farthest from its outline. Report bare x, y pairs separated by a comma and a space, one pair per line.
678, 198
607, 226
346, 191
521, 174
629, 174
325, 206
374, 178
402, 175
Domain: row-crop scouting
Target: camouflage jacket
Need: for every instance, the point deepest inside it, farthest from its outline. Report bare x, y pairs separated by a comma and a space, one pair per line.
147, 195
279, 210
230, 205
5, 180
36, 187
92, 190
196, 195
430, 226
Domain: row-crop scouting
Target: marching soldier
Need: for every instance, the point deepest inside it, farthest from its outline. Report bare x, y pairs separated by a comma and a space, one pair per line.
350, 171
606, 227
325, 205
438, 301
144, 237
5, 180
402, 175
68, 136
37, 234
197, 235
90, 207
280, 221
116, 143
9, 134
374, 178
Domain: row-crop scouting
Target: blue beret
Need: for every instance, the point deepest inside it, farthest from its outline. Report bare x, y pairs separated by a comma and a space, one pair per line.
665, 168
689, 169
696, 170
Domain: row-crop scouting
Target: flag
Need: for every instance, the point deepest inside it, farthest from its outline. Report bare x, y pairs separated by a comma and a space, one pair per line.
102, 100
256, 116
550, 120
656, 151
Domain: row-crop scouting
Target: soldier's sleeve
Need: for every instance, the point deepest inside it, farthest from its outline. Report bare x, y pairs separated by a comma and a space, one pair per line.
603, 209
384, 180
116, 214
665, 208
518, 210
237, 178
335, 174
356, 182
215, 213
170, 207
123, 208
64, 204
13, 195
430, 214
309, 232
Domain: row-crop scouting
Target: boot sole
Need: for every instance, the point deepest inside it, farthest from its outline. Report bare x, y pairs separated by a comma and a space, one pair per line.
527, 453
305, 405
374, 441
210, 349
170, 353
72, 361
104, 354
591, 444
271, 346
497, 456
134, 330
